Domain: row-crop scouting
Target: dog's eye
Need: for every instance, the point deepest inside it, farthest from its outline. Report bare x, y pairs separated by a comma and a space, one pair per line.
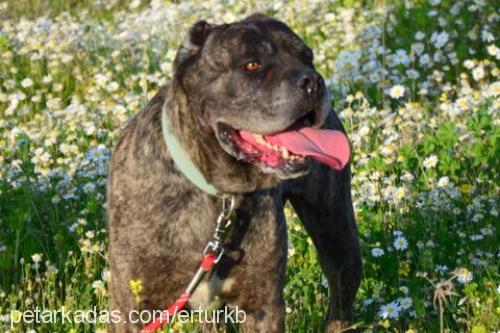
252, 66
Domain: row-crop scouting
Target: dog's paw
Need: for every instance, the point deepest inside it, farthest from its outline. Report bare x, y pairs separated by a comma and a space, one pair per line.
340, 326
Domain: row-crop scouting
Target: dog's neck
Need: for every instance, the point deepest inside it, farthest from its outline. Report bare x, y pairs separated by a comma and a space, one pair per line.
182, 159
218, 169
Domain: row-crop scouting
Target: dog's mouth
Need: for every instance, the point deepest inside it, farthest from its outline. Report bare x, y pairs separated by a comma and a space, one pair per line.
288, 152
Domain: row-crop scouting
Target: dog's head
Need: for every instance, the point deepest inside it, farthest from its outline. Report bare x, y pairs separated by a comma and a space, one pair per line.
257, 90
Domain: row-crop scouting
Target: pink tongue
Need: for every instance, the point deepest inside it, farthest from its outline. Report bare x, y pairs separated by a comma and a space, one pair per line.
326, 146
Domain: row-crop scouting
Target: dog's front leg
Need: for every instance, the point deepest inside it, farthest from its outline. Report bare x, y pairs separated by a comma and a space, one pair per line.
323, 202
255, 264
268, 319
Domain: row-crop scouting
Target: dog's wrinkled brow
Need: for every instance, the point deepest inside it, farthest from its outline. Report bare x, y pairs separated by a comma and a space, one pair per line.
265, 47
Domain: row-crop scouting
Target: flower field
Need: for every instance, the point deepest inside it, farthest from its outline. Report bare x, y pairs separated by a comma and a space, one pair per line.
416, 84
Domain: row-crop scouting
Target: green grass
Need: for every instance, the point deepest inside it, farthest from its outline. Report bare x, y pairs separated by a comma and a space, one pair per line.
425, 165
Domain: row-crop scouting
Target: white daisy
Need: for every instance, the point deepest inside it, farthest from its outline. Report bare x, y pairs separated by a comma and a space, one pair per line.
439, 39
27, 82
400, 243
390, 310
397, 91
478, 73
37, 257
406, 302
464, 275
430, 162
377, 252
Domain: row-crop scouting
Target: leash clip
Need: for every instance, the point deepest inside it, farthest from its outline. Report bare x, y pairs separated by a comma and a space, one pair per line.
223, 223
222, 227
227, 207
214, 248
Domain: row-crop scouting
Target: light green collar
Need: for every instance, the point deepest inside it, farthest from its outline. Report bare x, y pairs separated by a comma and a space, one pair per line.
182, 159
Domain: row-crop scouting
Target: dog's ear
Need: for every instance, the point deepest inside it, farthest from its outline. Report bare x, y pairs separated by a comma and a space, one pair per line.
193, 42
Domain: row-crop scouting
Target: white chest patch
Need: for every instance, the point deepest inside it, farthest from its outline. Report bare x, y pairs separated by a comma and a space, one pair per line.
207, 294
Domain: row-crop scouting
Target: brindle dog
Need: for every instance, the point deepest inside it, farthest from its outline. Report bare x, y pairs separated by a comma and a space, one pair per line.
255, 75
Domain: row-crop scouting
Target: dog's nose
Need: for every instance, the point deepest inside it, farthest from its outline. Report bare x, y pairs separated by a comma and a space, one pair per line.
311, 83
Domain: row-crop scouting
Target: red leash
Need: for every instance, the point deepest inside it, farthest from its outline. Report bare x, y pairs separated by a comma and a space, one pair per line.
206, 265
211, 256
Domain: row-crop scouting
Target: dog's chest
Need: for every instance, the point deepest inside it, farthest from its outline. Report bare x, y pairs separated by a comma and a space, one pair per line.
208, 293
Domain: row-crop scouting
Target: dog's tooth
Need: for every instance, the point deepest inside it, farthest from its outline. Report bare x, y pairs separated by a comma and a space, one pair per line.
276, 148
259, 138
285, 154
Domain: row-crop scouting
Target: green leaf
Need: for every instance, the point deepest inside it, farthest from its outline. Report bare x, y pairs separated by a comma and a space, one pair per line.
4, 42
